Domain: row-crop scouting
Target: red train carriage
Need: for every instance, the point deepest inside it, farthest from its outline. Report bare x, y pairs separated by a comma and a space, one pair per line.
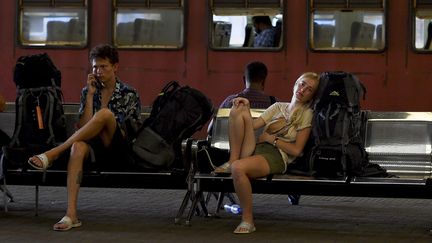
206, 44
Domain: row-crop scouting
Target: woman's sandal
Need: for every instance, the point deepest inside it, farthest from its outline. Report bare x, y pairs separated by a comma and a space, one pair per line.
224, 168
67, 222
244, 228
44, 160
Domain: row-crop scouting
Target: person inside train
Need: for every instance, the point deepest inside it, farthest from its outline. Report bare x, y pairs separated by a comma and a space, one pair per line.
106, 104
265, 32
287, 126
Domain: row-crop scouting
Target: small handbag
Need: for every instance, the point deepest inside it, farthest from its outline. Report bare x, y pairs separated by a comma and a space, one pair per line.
278, 126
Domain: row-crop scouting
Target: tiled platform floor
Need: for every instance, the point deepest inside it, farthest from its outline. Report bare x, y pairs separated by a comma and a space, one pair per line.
129, 215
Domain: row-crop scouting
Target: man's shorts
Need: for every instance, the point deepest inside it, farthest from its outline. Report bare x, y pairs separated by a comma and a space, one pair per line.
116, 156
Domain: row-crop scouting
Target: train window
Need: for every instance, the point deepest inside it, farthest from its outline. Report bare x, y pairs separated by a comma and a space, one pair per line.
347, 25
148, 24
422, 23
246, 24
53, 23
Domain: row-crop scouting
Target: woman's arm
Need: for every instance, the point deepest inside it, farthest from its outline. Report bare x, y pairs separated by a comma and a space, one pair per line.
295, 148
256, 123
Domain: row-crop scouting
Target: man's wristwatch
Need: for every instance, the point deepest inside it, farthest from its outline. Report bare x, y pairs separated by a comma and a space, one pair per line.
274, 141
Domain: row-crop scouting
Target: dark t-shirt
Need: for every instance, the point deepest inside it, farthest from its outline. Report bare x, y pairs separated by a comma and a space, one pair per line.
257, 99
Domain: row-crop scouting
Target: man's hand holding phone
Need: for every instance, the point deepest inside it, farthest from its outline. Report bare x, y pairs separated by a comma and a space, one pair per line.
94, 81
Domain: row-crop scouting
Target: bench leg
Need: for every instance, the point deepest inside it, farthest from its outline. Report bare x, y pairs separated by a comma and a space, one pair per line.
208, 197
182, 207
198, 197
231, 197
194, 207
36, 200
2, 177
5, 201
7, 196
220, 198
204, 206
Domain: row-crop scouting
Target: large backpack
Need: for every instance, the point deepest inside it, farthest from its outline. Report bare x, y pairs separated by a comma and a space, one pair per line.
39, 118
177, 113
336, 126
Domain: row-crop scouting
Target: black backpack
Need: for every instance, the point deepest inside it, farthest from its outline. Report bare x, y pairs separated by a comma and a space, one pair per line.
336, 126
39, 118
34, 71
177, 113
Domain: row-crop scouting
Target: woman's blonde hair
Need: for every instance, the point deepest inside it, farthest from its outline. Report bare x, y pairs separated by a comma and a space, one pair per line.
308, 75
297, 113
282, 127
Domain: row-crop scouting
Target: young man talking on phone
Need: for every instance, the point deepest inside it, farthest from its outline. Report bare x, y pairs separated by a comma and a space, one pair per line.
106, 104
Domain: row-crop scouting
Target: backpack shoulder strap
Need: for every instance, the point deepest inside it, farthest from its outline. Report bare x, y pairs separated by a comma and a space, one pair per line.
49, 109
323, 81
20, 101
352, 86
160, 100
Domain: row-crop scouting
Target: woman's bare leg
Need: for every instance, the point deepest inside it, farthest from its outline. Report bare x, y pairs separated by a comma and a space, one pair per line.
242, 170
241, 134
102, 124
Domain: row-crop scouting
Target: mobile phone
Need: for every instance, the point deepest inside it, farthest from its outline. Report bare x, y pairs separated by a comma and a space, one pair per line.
99, 84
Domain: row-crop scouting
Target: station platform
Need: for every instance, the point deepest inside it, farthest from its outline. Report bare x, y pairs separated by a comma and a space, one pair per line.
137, 215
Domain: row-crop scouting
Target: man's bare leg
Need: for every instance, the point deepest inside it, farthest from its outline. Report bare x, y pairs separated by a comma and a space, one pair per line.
102, 124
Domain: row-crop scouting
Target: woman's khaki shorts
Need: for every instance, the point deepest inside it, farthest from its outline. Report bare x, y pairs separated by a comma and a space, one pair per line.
273, 157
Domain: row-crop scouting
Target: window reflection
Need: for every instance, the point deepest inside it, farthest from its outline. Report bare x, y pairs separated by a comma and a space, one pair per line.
347, 30
50, 26
139, 28
423, 30
229, 30
347, 25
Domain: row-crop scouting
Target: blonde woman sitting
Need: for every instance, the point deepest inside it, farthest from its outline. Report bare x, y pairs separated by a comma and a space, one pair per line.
286, 129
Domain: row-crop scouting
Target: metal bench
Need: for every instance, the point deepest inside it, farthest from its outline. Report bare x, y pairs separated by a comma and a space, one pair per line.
401, 142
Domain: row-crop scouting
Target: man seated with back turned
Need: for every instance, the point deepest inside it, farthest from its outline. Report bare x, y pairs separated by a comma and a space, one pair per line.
265, 32
254, 80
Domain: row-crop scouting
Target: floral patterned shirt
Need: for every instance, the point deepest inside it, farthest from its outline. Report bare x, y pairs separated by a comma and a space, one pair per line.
124, 103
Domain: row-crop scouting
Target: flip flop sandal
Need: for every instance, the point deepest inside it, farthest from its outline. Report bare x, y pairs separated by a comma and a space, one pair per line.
224, 168
244, 228
67, 221
43, 158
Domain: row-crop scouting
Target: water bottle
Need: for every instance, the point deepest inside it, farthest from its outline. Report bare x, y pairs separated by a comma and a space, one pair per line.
235, 209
